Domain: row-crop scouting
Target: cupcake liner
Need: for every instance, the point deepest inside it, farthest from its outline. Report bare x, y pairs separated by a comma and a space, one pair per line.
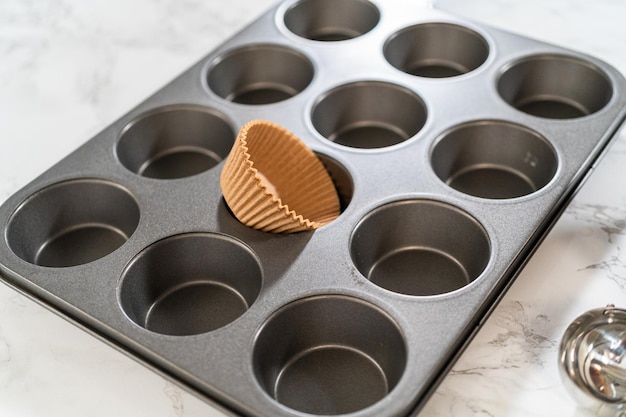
273, 182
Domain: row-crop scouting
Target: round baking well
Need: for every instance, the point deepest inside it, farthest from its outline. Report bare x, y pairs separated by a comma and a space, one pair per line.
420, 247
329, 355
72, 223
369, 114
341, 178
331, 20
260, 74
555, 87
175, 142
436, 50
190, 284
494, 159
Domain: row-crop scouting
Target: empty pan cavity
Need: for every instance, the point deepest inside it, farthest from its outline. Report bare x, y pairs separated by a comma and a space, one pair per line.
260, 74
436, 50
420, 247
331, 20
494, 159
175, 142
190, 284
329, 355
369, 114
555, 87
72, 223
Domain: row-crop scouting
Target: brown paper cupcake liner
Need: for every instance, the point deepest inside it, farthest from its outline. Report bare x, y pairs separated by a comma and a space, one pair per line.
273, 182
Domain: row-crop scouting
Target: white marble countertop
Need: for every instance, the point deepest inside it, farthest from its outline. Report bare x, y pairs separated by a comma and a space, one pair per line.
68, 68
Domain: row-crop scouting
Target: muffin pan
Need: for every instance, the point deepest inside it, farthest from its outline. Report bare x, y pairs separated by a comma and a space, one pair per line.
453, 146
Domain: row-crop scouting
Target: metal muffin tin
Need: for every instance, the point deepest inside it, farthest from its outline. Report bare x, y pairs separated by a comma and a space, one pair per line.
454, 147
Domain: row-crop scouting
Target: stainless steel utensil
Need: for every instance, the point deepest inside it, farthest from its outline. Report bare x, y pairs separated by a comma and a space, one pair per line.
593, 360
